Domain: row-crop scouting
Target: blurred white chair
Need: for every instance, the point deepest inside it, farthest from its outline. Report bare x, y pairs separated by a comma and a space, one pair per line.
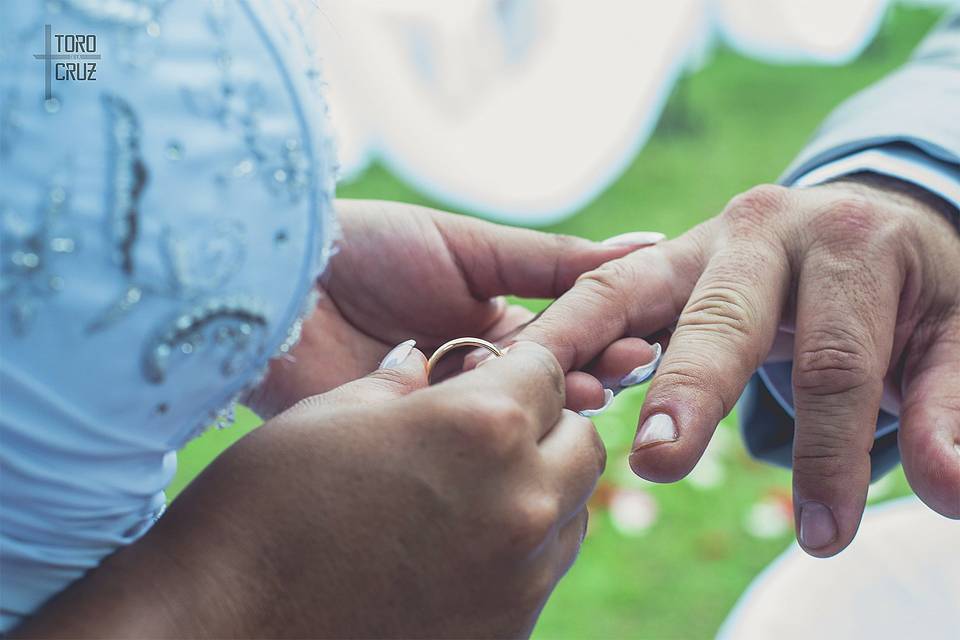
520, 109
524, 110
899, 579
787, 31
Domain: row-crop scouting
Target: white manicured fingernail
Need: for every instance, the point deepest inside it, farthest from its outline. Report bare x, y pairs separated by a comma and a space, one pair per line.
398, 354
656, 429
607, 401
643, 372
633, 238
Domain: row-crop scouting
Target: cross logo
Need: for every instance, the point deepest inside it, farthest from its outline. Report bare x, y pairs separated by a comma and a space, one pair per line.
75, 58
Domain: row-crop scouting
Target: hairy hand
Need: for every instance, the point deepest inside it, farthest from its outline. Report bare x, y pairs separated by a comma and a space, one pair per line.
861, 276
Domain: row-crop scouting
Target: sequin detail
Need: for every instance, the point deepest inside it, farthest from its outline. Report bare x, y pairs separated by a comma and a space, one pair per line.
187, 265
234, 326
284, 168
30, 246
127, 175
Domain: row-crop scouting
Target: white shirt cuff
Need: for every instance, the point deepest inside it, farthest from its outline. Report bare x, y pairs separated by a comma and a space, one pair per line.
901, 162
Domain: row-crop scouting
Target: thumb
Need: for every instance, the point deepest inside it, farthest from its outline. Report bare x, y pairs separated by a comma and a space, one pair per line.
498, 260
402, 371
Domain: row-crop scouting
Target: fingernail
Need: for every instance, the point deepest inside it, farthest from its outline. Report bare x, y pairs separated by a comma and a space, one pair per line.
656, 429
643, 372
398, 354
633, 238
817, 526
607, 401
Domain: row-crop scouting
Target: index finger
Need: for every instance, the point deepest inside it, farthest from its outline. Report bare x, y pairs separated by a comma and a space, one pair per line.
635, 295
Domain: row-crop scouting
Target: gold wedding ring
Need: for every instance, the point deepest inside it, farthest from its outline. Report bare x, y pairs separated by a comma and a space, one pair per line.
459, 343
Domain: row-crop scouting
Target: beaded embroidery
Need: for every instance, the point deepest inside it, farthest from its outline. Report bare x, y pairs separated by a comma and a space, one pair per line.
198, 261
31, 246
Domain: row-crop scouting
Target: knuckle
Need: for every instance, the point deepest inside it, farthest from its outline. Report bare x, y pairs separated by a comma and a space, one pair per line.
531, 521
489, 426
504, 413
756, 205
604, 288
854, 210
544, 365
854, 220
818, 463
608, 289
536, 588
722, 309
594, 443
824, 442
389, 379
829, 453
833, 361
683, 376
553, 331
609, 281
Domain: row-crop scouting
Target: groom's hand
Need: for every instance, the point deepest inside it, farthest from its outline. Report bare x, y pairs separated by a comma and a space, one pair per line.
867, 274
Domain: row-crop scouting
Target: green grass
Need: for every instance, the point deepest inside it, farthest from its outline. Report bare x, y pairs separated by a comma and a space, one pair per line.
734, 124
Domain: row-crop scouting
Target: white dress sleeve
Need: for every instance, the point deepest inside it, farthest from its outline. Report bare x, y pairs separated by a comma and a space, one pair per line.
162, 226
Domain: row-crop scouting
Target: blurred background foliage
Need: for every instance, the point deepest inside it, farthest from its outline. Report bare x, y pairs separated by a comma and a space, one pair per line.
669, 561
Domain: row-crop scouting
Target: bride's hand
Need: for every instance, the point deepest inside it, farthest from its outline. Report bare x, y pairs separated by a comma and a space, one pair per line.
383, 508
407, 272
